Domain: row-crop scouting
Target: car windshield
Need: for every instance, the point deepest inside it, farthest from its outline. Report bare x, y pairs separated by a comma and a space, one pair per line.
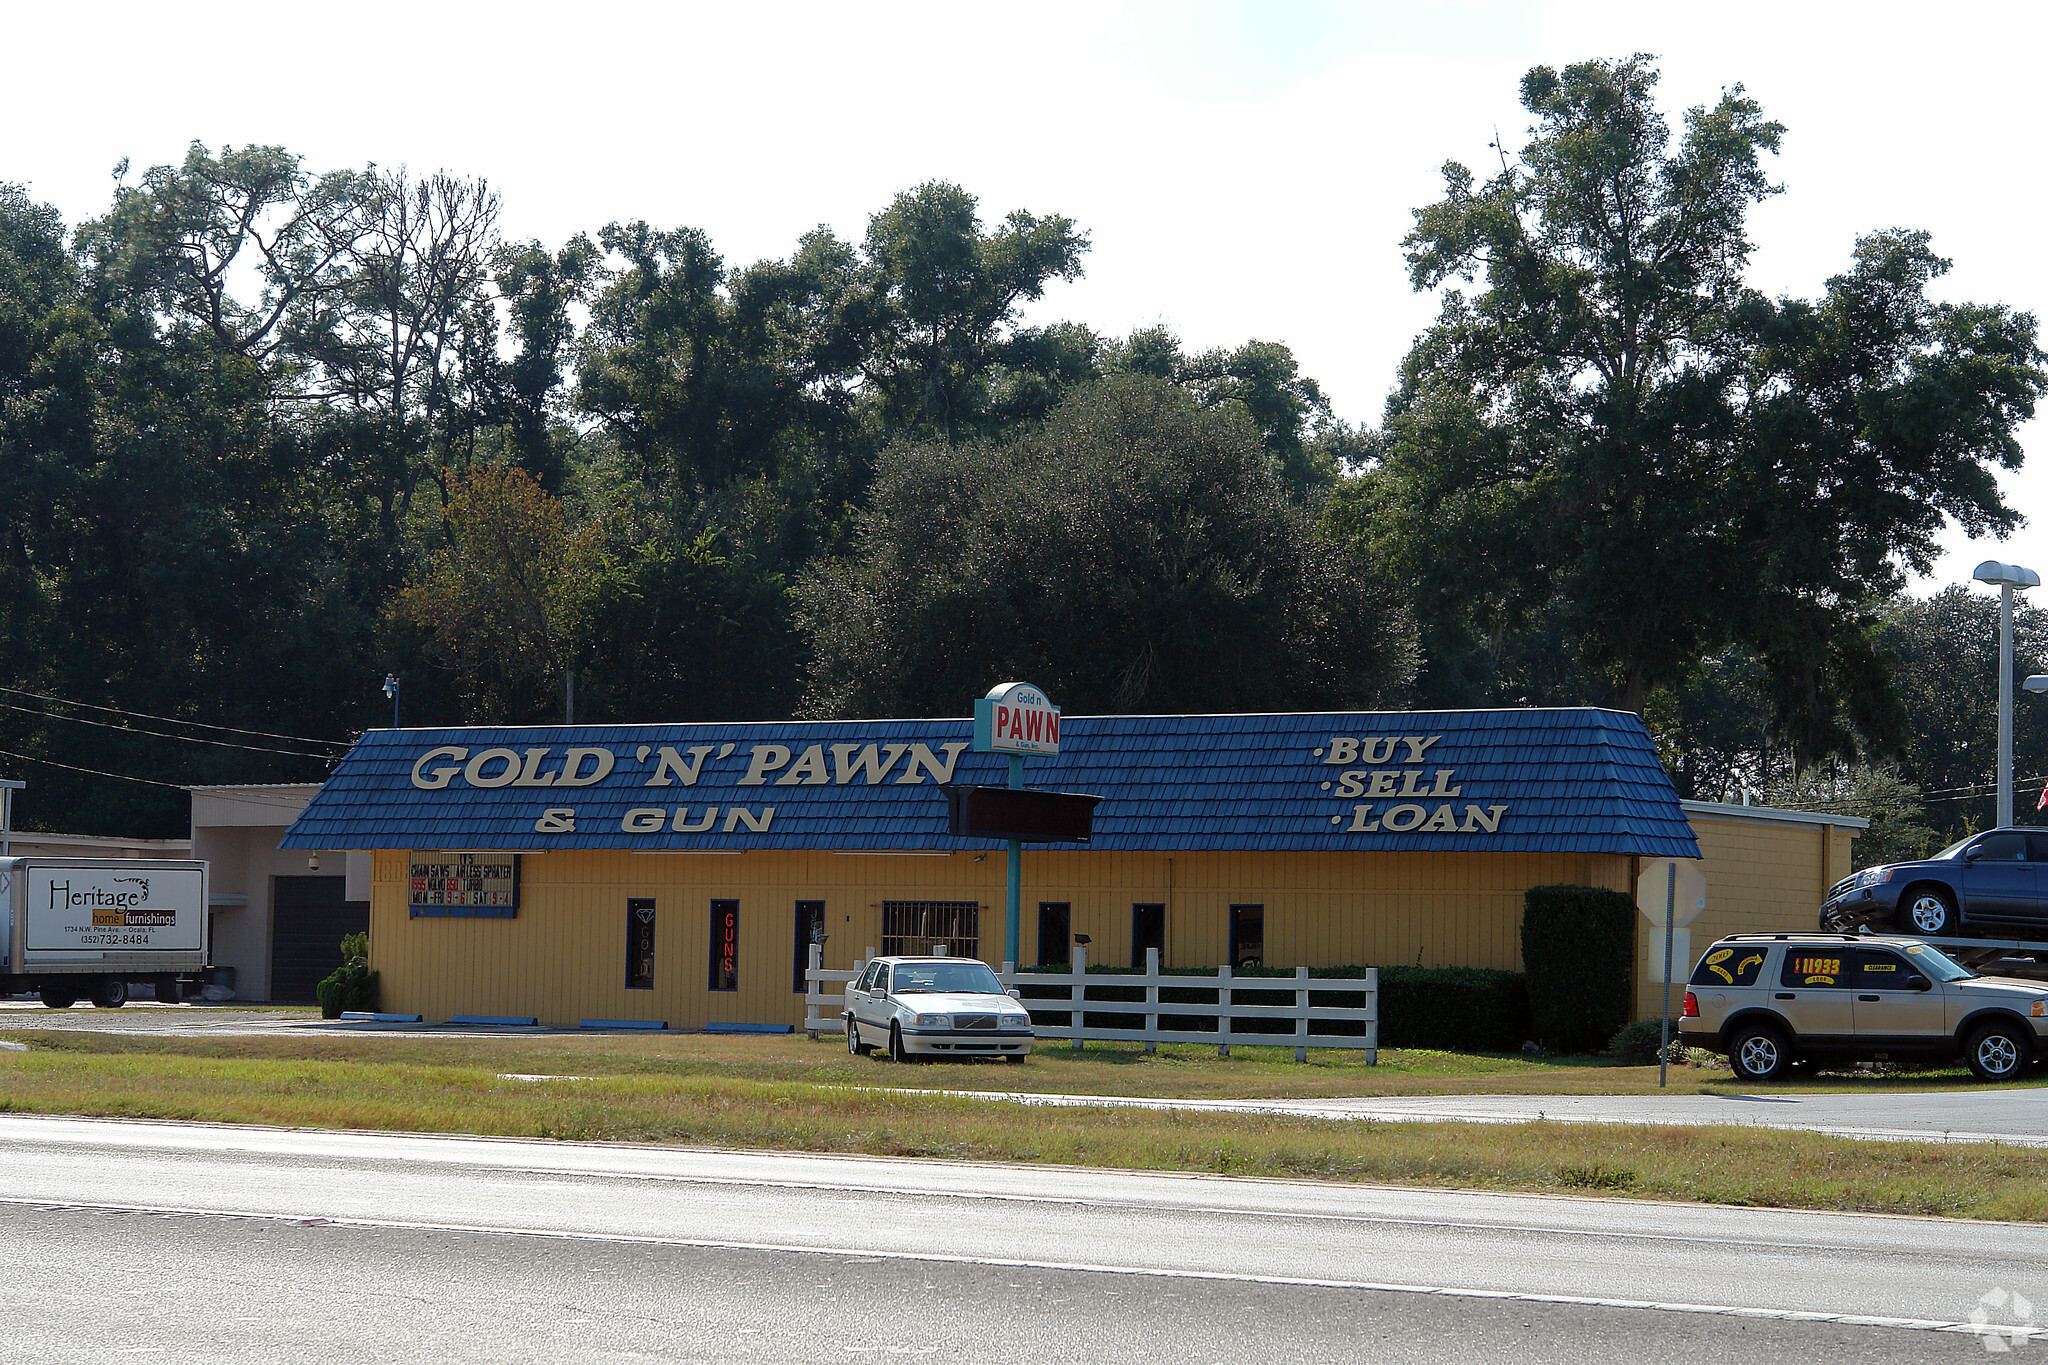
947, 978
1953, 849
1936, 963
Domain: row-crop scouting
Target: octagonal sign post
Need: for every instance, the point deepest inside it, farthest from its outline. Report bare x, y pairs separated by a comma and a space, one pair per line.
1681, 884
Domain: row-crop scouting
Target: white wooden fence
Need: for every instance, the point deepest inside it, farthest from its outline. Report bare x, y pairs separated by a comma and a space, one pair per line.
822, 1010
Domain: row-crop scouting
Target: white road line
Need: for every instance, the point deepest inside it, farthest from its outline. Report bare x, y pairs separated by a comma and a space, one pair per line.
2013, 1333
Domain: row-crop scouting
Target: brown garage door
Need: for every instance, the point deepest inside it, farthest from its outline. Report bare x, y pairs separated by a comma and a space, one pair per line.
307, 923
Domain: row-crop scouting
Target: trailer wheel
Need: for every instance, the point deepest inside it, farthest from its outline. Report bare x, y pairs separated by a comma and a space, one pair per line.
58, 998
109, 993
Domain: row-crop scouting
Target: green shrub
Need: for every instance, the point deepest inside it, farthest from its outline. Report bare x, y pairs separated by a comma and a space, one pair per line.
1636, 1041
1578, 945
1453, 1009
352, 985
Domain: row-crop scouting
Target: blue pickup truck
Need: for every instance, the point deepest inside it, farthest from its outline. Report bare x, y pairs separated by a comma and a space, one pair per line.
1994, 883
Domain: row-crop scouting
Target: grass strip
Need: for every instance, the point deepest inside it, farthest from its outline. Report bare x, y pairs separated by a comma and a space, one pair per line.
1722, 1165
1173, 1072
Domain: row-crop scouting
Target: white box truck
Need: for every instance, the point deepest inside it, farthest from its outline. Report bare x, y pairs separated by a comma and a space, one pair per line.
87, 928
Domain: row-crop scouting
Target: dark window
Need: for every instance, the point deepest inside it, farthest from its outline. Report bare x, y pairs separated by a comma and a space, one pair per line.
2037, 848
1817, 967
1148, 930
1247, 935
1055, 933
1736, 966
912, 928
810, 922
725, 945
2002, 848
867, 978
639, 945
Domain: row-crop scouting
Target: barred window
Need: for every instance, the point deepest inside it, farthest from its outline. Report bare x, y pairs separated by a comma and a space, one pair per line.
912, 927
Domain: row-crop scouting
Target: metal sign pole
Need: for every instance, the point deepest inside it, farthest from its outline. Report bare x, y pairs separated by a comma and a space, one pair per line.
1664, 1018
1012, 911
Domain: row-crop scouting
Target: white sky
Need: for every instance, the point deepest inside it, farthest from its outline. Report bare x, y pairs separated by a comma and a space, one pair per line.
1245, 170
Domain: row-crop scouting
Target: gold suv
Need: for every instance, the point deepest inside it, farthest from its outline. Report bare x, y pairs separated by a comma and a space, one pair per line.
1774, 1001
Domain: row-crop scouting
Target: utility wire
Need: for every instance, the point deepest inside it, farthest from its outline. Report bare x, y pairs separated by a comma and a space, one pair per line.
162, 734
94, 772
172, 720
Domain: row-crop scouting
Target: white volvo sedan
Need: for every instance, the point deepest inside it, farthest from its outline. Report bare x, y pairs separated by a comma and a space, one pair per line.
920, 1007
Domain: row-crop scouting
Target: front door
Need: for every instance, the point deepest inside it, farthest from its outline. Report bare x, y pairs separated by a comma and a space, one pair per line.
1148, 930
1890, 1017
1814, 994
1999, 878
871, 1004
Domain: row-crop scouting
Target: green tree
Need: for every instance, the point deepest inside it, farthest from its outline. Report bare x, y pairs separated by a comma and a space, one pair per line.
940, 303
507, 603
1616, 421
1946, 653
1898, 830
1135, 552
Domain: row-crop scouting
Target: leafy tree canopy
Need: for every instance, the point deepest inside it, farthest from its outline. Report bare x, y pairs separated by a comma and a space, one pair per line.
1136, 552
1615, 422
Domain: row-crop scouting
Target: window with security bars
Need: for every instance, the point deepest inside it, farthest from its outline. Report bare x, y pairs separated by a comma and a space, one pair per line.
912, 927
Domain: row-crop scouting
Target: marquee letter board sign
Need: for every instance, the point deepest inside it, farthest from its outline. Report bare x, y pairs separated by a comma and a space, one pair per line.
463, 885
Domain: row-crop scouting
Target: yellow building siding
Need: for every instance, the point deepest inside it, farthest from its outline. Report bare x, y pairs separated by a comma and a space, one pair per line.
1764, 876
562, 958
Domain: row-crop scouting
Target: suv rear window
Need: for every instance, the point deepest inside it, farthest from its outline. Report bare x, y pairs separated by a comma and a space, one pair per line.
1736, 966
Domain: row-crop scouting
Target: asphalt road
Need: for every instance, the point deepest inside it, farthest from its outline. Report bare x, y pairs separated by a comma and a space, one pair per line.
269, 1244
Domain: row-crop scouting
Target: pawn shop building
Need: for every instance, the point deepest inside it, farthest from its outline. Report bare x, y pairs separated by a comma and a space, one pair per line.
678, 874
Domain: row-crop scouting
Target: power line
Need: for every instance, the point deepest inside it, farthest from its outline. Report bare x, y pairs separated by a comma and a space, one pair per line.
161, 734
172, 720
94, 772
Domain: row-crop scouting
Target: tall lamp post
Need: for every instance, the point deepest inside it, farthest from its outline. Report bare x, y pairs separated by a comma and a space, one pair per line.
2008, 577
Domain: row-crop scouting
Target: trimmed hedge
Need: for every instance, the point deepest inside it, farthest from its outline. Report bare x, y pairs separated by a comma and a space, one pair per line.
1449, 1009
1578, 947
1453, 1009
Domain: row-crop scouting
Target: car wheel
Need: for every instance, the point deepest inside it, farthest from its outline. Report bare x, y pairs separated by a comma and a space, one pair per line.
1928, 910
1997, 1052
853, 1043
897, 1052
1758, 1053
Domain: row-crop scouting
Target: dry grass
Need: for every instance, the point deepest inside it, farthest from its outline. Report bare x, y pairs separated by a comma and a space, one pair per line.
646, 1098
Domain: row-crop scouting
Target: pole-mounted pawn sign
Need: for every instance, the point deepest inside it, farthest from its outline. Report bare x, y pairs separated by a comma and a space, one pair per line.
1016, 718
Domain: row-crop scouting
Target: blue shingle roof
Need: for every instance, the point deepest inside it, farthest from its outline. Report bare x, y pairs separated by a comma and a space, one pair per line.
1579, 780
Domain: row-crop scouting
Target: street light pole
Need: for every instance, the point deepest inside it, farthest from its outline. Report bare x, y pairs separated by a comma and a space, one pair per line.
2008, 577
